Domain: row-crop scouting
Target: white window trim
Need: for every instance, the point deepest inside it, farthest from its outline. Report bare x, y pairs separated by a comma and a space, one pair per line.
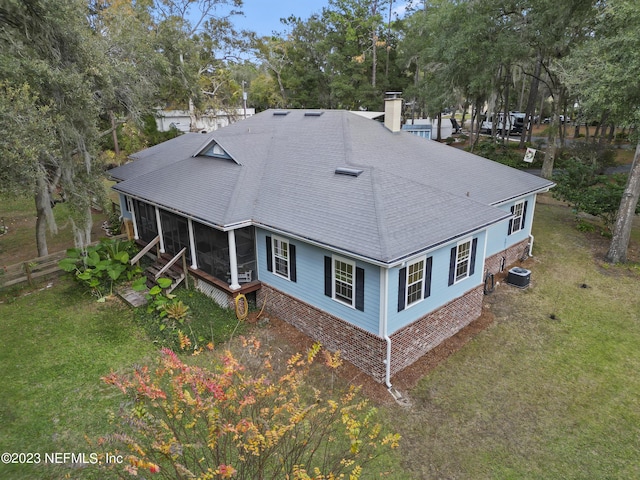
455, 273
128, 204
406, 287
520, 222
275, 239
353, 280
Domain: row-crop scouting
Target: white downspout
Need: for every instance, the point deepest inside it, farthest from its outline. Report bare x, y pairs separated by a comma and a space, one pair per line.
533, 211
384, 304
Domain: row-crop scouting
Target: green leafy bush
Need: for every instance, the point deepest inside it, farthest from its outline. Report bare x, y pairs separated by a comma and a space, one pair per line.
101, 266
505, 154
580, 184
187, 319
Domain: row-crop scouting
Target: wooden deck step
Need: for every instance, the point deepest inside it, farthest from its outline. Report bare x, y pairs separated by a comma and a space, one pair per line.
134, 298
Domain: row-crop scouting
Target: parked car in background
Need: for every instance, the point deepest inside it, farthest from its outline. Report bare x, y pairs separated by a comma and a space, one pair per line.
514, 124
562, 119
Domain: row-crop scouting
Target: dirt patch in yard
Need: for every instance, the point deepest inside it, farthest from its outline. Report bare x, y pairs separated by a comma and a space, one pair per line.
288, 340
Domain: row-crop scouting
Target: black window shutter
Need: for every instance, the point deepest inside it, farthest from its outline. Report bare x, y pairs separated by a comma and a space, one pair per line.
293, 276
269, 255
524, 213
327, 276
360, 289
472, 260
452, 265
511, 223
402, 286
427, 277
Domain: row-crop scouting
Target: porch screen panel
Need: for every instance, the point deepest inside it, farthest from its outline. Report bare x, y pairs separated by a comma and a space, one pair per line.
212, 251
146, 220
175, 230
245, 251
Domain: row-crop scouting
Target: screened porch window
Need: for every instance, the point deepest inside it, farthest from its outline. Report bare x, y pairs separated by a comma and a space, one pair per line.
145, 220
175, 230
212, 250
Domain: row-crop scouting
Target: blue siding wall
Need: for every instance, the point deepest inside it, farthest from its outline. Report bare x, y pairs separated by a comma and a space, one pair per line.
499, 238
441, 292
309, 285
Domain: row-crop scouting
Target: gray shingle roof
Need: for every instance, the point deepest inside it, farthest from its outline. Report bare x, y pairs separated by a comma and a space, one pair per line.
412, 194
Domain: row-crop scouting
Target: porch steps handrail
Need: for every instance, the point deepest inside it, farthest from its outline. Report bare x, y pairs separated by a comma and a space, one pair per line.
145, 250
171, 263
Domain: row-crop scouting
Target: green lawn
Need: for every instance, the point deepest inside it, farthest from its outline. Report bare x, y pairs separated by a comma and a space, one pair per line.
54, 347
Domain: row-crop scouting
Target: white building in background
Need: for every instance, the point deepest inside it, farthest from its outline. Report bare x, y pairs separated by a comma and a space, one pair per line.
206, 122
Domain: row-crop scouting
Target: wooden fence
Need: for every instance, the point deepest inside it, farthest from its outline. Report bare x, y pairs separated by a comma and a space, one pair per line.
32, 270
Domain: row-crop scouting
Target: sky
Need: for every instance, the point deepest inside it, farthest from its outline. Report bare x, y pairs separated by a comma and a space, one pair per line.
263, 16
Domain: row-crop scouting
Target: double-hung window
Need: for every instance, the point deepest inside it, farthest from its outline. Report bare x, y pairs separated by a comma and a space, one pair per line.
463, 256
343, 280
518, 217
517, 222
415, 281
463, 259
281, 257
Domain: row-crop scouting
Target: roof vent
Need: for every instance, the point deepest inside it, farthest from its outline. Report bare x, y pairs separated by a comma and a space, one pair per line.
280, 113
312, 114
350, 172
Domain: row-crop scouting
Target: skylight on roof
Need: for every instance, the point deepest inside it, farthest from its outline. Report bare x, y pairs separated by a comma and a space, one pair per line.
312, 114
350, 172
280, 113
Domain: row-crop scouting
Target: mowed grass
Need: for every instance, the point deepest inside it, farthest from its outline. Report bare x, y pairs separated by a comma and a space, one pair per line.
55, 345
551, 390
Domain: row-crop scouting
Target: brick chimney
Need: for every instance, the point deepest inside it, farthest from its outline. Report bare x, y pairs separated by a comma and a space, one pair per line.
392, 111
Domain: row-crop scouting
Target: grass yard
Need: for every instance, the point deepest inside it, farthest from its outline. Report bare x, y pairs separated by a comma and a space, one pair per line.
55, 345
551, 390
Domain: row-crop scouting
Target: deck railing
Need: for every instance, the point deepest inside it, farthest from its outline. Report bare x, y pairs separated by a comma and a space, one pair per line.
145, 250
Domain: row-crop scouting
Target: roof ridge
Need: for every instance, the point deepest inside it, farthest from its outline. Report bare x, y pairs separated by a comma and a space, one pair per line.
381, 238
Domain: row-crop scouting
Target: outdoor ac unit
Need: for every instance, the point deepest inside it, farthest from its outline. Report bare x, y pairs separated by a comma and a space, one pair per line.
519, 277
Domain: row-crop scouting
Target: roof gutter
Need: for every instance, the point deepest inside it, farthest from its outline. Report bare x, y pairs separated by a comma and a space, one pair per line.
222, 228
247, 223
535, 191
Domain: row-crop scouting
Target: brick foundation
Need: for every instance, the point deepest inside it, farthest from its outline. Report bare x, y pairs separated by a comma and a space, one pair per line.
365, 350
413, 341
511, 255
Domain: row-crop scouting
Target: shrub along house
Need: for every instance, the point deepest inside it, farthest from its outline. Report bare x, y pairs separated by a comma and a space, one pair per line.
371, 240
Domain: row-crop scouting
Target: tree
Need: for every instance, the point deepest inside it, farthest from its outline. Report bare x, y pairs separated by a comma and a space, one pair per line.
51, 61
243, 420
196, 38
330, 60
603, 73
